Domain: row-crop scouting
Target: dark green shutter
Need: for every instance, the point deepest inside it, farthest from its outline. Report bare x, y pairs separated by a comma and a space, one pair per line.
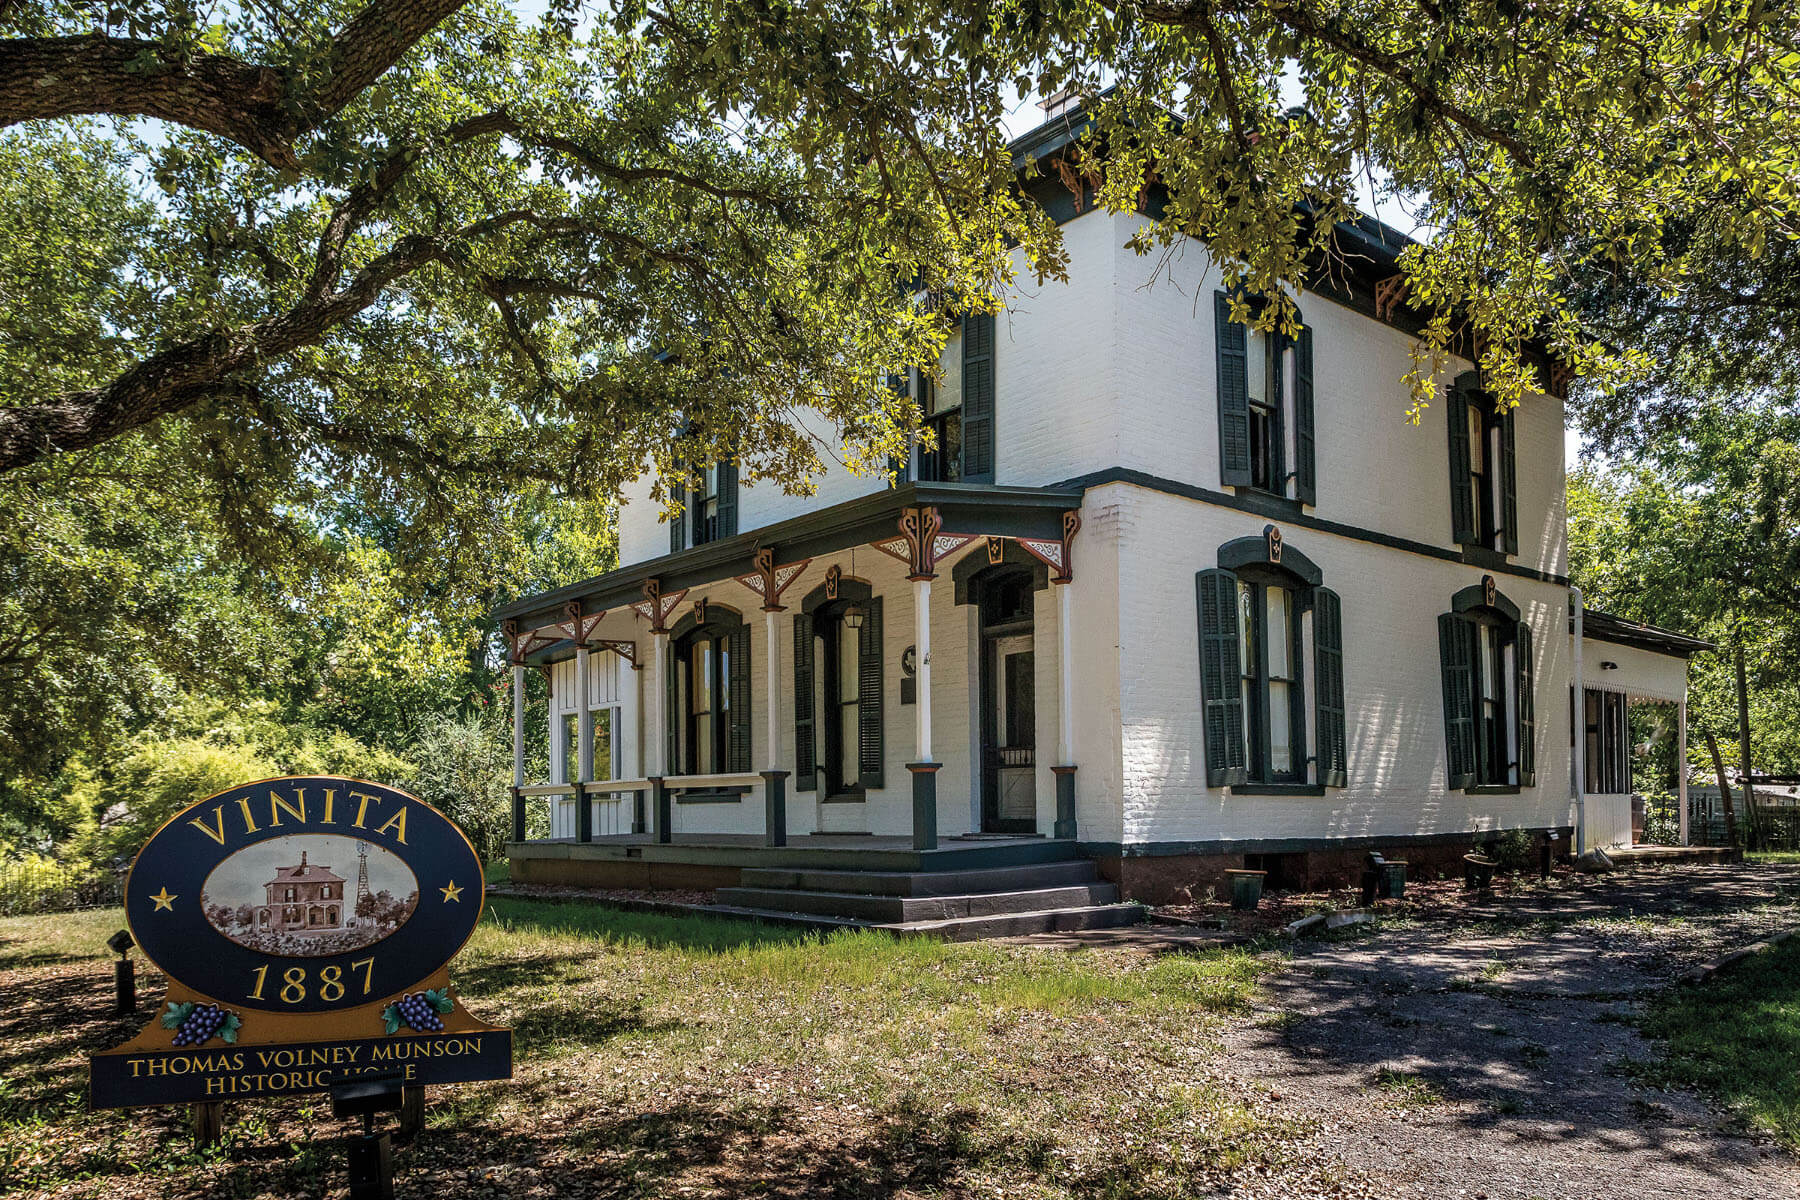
1526, 670
672, 764
805, 770
678, 528
1462, 504
728, 500
1234, 395
1328, 688
978, 398
737, 733
868, 690
1456, 648
1221, 684
1306, 487
1509, 484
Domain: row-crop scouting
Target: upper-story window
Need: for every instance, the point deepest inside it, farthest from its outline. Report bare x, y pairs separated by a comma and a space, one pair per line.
710, 506
1254, 609
957, 408
1265, 384
1484, 507
1489, 724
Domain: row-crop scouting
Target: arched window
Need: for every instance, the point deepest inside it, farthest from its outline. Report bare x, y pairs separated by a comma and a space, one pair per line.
709, 694
1254, 677
1485, 651
838, 691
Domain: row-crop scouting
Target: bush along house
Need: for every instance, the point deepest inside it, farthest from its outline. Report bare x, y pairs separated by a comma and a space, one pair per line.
1169, 595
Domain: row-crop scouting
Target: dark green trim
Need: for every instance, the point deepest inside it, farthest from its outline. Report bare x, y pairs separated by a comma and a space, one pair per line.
1304, 845
999, 509
1254, 552
1290, 511
1491, 789
712, 796
1278, 789
1474, 597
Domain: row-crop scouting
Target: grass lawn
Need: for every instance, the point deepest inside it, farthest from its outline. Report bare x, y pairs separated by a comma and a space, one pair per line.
678, 1055
1737, 1037
1772, 856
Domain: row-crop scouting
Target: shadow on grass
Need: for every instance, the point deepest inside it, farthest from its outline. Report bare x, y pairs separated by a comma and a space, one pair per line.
650, 930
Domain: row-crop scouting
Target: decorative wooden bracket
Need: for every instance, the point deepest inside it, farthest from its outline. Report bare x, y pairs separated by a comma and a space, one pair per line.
656, 607
996, 550
922, 544
625, 650
769, 580
1390, 294
576, 627
1057, 554
524, 643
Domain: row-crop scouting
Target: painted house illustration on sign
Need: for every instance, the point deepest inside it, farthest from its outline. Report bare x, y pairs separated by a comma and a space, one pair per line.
1167, 595
304, 899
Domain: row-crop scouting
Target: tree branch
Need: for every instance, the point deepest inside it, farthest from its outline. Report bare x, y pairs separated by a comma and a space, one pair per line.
251, 104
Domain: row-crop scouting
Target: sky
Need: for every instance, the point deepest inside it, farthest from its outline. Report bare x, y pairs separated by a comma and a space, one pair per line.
240, 878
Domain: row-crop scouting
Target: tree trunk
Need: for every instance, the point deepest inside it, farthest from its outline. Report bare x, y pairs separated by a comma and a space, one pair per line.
1743, 705
1712, 743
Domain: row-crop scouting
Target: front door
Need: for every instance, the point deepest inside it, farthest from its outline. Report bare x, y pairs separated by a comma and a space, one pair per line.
1009, 736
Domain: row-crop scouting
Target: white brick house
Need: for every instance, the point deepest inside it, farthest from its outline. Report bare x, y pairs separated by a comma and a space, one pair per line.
1176, 592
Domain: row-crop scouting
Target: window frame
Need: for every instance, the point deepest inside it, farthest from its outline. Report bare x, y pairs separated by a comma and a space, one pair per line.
830, 633
718, 646
1256, 680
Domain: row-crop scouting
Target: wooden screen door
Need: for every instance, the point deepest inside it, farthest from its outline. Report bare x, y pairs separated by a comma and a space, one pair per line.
1009, 737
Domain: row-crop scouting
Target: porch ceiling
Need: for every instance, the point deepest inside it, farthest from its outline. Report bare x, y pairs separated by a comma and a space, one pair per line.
980, 509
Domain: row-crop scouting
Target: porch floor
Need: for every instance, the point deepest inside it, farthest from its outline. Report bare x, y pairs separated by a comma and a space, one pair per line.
865, 852
1649, 852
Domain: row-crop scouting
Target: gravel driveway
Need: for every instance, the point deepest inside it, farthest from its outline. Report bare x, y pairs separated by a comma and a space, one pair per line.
1484, 1054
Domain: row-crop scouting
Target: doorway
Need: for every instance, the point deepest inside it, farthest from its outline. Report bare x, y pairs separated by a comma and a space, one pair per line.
1008, 689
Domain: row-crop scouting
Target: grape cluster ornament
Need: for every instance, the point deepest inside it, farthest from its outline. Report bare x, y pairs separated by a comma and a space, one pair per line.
197, 1024
420, 1012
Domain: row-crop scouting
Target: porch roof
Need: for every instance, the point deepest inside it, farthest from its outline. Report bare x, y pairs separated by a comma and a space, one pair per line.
966, 508
1605, 627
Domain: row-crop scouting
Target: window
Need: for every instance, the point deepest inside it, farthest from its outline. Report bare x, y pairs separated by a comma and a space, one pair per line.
708, 696
571, 747
1483, 469
957, 408
1608, 750
837, 689
703, 703
1254, 611
709, 512
1265, 386
1269, 653
704, 506
1486, 657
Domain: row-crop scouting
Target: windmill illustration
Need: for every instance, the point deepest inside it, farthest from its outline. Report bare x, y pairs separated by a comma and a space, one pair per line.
362, 874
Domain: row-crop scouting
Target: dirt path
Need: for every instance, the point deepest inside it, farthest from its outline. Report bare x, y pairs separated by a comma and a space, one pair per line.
1483, 1055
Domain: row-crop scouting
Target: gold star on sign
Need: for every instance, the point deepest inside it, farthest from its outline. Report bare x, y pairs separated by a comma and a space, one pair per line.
164, 901
451, 891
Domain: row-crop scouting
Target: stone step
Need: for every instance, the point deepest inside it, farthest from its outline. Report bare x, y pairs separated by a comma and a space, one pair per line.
907, 909
924, 883
1055, 920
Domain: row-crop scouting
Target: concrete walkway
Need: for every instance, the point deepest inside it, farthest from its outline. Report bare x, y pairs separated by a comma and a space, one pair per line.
1482, 1055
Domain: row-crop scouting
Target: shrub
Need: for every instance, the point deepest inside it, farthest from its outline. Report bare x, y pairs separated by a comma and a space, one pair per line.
1514, 850
464, 770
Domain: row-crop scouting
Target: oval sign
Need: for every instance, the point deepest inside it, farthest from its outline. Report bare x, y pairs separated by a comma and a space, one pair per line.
303, 895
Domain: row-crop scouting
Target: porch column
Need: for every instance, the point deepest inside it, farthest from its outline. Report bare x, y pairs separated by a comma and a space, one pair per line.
924, 770
1681, 770
1064, 770
584, 749
774, 778
518, 691
661, 815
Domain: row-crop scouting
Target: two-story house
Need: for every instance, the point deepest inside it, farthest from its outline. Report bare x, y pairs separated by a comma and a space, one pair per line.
1168, 592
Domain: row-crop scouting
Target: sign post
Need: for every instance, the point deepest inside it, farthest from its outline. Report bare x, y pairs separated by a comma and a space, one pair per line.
306, 926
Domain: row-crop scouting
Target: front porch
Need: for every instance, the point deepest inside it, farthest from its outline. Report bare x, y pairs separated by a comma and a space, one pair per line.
715, 860
686, 737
